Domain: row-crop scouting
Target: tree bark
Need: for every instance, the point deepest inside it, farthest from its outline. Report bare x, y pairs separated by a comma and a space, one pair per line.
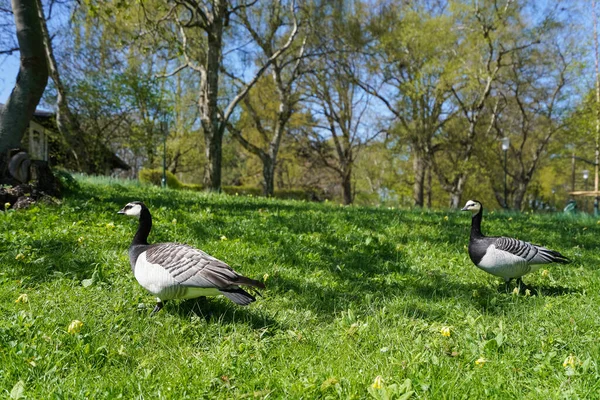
347, 186
31, 80
419, 185
67, 124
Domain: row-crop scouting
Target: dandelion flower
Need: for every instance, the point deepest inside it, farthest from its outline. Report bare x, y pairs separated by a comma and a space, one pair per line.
480, 361
6, 206
80, 239
570, 361
20, 256
545, 273
265, 277
22, 298
378, 382
110, 225
515, 290
174, 222
510, 219
527, 292
75, 326
445, 331
223, 237
446, 218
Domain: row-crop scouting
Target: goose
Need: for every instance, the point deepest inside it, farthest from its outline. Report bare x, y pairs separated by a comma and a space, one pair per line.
506, 257
178, 271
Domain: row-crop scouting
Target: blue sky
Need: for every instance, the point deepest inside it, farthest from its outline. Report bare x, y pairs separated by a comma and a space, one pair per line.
9, 65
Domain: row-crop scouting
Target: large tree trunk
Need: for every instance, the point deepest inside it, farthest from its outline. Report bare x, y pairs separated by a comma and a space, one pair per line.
347, 186
268, 176
31, 80
519, 195
419, 175
211, 120
67, 124
457, 191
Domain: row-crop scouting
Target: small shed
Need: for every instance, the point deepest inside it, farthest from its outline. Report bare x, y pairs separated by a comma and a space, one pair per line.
35, 140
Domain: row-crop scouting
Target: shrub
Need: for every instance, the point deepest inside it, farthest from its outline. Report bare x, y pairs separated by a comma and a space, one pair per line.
154, 176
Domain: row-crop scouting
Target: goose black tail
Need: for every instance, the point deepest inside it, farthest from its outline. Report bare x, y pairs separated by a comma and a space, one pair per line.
238, 296
559, 258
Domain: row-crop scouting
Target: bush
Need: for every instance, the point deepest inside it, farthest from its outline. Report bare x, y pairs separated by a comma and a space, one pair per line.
154, 176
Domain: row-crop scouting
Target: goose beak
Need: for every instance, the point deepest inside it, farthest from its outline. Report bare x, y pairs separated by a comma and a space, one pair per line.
121, 211
464, 209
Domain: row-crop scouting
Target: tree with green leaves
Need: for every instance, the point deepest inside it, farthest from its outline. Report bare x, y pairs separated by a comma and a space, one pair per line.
31, 80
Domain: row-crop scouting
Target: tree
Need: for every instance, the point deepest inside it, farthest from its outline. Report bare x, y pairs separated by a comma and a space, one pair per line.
31, 80
494, 33
409, 60
285, 72
210, 21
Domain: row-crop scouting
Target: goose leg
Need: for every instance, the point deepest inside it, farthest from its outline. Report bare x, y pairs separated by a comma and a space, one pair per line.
507, 284
158, 307
523, 287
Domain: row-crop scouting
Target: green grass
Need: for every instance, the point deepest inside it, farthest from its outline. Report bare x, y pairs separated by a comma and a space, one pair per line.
352, 294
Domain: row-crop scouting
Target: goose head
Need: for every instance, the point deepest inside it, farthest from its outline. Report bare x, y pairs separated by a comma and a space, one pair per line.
472, 205
133, 209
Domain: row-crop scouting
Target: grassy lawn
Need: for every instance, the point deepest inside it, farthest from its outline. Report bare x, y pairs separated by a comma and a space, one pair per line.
352, 294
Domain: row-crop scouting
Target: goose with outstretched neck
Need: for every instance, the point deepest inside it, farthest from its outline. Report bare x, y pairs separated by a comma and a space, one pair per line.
178, 271
506, 257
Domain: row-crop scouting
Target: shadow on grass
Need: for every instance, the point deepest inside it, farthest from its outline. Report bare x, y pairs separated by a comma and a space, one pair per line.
213, 309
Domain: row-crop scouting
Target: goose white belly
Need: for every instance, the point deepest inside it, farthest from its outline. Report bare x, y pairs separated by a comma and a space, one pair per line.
505, 264
157, 280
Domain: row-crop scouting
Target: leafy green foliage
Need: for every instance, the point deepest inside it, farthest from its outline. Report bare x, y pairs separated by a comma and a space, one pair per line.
352, 294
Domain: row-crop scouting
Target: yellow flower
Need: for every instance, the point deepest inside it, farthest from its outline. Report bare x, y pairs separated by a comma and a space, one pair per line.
515, 290
223, 237
80, 239
20, 256
75, 326
480, 361
265, 277
545, 273
174, 222
7, 206
378, 382
445, 331
446, 218
110, 225
510, 218
570, 361
22, 298
527, 292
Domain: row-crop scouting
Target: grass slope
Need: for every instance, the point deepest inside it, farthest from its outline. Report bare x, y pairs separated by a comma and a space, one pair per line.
352, 294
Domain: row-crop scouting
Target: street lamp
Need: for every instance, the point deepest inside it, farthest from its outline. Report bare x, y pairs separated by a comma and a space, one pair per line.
164, 127
586, 175
505, 147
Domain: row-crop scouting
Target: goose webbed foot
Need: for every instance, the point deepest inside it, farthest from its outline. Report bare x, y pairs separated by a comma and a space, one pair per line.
158, 307
507, 284
525, 289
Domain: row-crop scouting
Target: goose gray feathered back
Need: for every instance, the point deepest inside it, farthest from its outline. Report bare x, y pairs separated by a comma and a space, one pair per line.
506, 257
178, 271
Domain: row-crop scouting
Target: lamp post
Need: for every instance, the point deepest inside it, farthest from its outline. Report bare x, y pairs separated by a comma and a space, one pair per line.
586, 175
164, 127
505, 147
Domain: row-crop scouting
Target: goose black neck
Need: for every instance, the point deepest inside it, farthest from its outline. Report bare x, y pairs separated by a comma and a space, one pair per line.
141, 236
476, 225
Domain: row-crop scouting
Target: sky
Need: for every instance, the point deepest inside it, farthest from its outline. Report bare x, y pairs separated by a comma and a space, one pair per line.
9, 65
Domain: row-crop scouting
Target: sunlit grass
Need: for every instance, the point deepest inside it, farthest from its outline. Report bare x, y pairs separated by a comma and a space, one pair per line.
360, 303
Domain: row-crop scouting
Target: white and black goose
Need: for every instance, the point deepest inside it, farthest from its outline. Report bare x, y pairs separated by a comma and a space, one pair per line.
178, 271
506, 257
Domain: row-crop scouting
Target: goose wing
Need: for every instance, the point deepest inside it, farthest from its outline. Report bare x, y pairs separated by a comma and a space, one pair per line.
531, 253
193, 267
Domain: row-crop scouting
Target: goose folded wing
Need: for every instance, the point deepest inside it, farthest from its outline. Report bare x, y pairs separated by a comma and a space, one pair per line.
531, 253
192, 267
